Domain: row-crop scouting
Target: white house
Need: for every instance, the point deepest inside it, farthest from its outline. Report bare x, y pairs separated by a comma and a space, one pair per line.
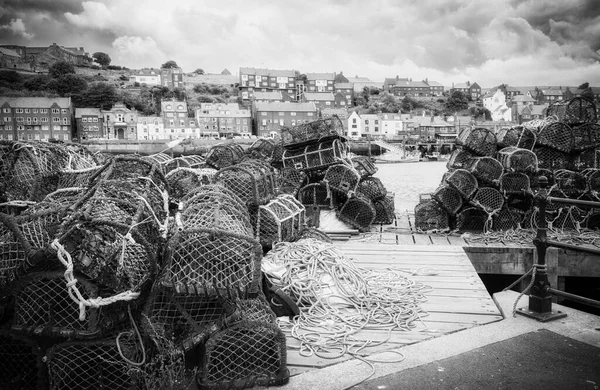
354, 126
151, 127
391, 124
495, 102
146, 76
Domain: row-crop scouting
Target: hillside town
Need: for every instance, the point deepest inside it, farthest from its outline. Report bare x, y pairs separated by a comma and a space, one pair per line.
258, 102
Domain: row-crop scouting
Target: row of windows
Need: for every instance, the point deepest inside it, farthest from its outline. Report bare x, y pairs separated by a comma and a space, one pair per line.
85, 119
264, 113
281, 122
36, 110
34, 120
35, 128
37, 137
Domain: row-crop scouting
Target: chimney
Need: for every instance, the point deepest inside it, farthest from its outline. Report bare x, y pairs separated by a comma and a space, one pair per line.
468, 83
397, 77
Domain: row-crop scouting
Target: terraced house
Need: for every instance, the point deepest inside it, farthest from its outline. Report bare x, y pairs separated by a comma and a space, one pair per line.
36, 118
267, 80
175, 118
89, 123
269, 117
223, 119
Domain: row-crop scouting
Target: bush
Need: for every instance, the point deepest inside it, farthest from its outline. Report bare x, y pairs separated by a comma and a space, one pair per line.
114, 67
95, 67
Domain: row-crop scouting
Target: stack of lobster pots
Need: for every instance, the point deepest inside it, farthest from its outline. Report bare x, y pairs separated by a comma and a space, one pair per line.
315, 168
493, 176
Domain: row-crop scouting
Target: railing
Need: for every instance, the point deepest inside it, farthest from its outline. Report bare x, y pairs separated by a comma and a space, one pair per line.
540, 298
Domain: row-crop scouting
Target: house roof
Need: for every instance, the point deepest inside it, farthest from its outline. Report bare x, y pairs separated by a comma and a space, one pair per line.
490, 93
268, 72
340, 78
552, 92
357, 79
35, 102
523, 98
271, 95
403, 83
163, 105
79, 112
152, 118
9, 52
538, 109
320, 76
343, 85
461, 86
148, 72
319, 96
436, 121
285, 106
434, 84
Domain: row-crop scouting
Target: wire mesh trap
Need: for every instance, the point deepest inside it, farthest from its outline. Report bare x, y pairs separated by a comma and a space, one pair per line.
572, 184
342, 178
518, 159
515, 183
315, 131
507, 219
358, 212
316, 195
314, 233
463, 181
460, 158
488, 199
586, 159
449, 198
472, 219
161, 159
487, 170
552, 159
252, 182
132, 168
477, 140
224, 155
315, 156
372, 188
262, 148
191, 161
245, 355
516, 136
384, 209
586, 136
430, 215
183, 180
20, 363
364, 166
289, 180
556, 135
575, 111
281, 219
592, 178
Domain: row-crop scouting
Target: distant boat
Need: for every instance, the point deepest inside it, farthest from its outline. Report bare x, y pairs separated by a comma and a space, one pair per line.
394, 158
435, 156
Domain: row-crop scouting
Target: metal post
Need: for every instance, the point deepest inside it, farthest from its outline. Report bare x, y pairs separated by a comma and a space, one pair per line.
540, 299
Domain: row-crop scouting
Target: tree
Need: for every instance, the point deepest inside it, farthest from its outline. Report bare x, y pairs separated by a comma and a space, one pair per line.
68, 85
169, 65
457, 102
585, 85
61, 68
198, 71
37, 83
102, 58
101, 95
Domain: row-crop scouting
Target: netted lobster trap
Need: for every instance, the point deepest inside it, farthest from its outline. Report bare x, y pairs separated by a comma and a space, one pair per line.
518, 160
281, 219
161, 159
487, 170
183, 180
262, 148
478, 140
385, 209
21, 363
430, 215
586, 136
488, 199
358, 212
290, 180
224, 155
251, 181
552, 159
245, 355
449, 198
99, 364
212, 262
364, 166
317, 156
472, 219
143, 172
342, 178
314, 233
372, 188
507, 219
315, 131
575, 111
515, 183
592, 178
572, 184
555, 135
586, 159
516, 136
317, 195
460, 158
44, 306
463, 181
569, 218
191, 161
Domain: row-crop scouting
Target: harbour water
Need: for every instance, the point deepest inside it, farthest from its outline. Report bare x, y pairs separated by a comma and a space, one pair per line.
408, 180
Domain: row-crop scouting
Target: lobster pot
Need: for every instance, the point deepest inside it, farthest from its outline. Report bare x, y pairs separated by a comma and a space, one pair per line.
358, 212
463, 181
43, 307
449, 198
572, 184
518, 160
20, 363
183, 180
472, 219
290, 180
245, 355
76, 178
569, 218
516, 136
430, 215
487, 170
12, 251
160, 158
277, 159
316, 195
211, 262
514, 183
460, 158
342, 178
364, 166
488, 199
585, 160
586, 136
312, 232
133, 169
192, 161
592, 178
507, 219
384, 210
313, 157
315, 131
252, 183
96, 364
257, 309
184, 320
575, 111
262, 148
556, 135
372, 188
281, 219
224, 155
478, 141
552, 159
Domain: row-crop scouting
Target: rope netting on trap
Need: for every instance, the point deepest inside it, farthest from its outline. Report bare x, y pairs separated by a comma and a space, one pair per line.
310, 132
514, 159
555, 135
478, 141
316, 195
586, 159
488, 199
342, 178
487, 170
571, 184
507, 219
372, 188
515, 183
262, 148
289, 180
460, 158
191, 161
472, 219
183, 180
337, 299
463, 181
449, 198
385, 209
317, 156
586, 136
224, 155
516, 136
364, 166
252, 181
248, 354
358, 212
430, 215
592, 178
21, 363
135, 169
550, 158
575, 111
161, 158
281, 219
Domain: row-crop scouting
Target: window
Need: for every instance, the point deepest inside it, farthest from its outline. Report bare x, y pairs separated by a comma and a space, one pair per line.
366, 121
55, 111
43, 110
181, 122
7, 119
63, 111
144, 122
44, 119
19, 119
264, 122
28, 120
292, 113
328, 103
27, 111
309, 114
65, 121
263, 114
84, 119
6, 110
19, 110
180, 107
34, 111
168, 106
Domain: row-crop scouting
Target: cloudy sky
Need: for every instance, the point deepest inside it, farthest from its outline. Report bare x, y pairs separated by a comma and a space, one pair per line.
518, 42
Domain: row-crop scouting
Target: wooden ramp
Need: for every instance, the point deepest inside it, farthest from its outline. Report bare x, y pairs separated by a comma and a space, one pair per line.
459, 300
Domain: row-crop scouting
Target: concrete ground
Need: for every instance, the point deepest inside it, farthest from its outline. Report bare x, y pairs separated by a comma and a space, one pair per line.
515, 353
